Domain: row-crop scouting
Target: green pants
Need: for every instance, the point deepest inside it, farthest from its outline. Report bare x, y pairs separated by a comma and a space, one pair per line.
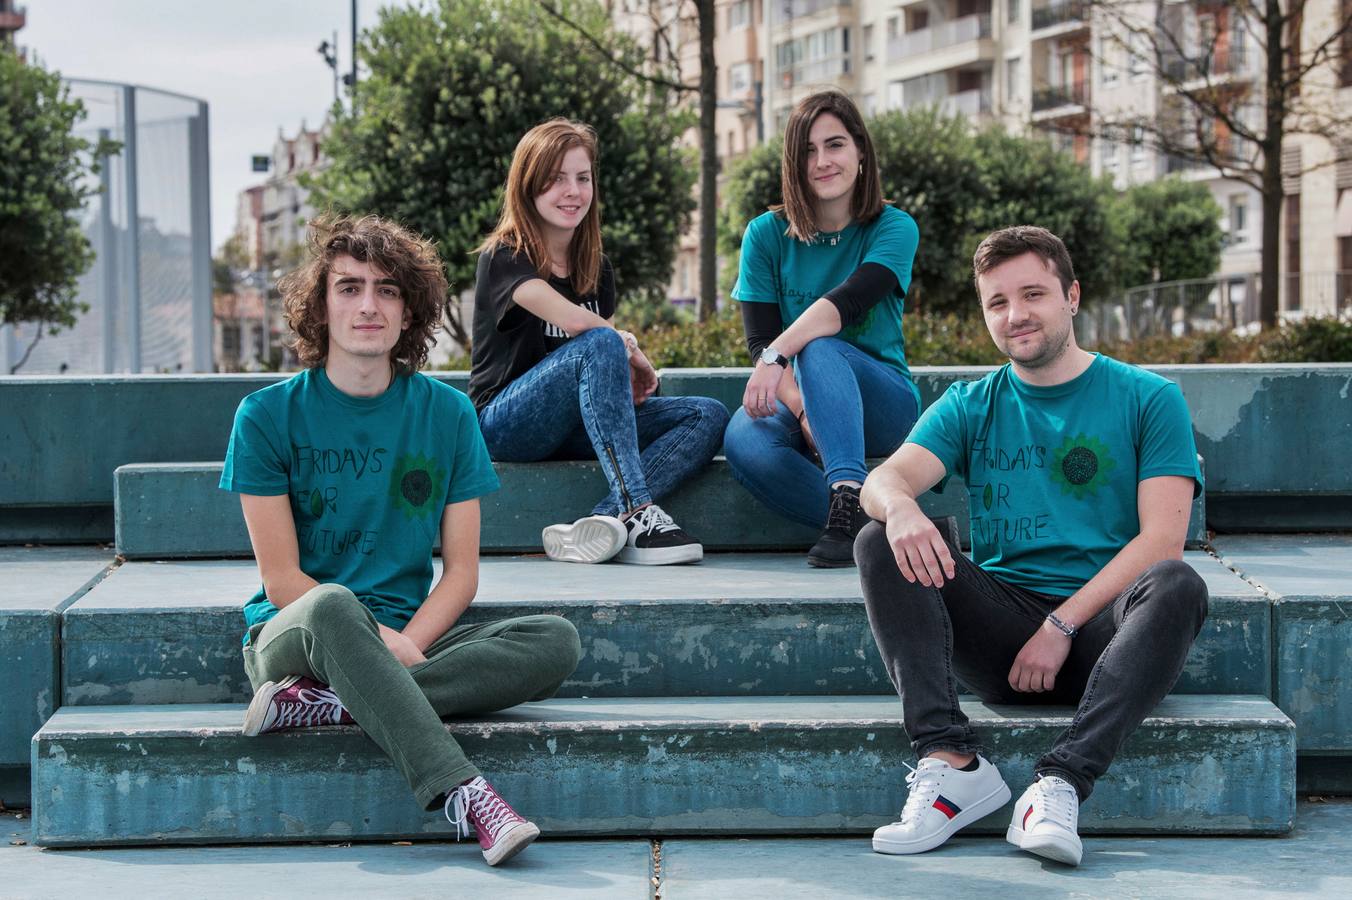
328, 635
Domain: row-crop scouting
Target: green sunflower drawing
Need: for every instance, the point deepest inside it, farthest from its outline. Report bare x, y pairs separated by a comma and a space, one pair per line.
1082, 465
415, 484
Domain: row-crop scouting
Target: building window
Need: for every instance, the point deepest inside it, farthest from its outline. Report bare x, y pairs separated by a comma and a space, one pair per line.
1137, 145
739, 80
870, 105
1107, 65
1108, 154
891, 28
1013, 9
1136, 60
868, 43
739, 15
1239, 219
1012, 79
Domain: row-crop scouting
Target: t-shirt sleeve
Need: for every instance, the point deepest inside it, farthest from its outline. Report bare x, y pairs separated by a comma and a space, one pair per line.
1167, 444
605, 290
256, 460
895, 239
472, 472
758, 266
942, 430
499, 274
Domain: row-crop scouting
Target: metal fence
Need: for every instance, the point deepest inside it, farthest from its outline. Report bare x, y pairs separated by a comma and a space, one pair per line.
1205, 305
149, 288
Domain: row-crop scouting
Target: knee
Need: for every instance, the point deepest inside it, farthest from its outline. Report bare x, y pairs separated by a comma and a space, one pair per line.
604, 343
332, 606
560, 646
817, 351
1180, 590
711, 421
741, 439
872, 551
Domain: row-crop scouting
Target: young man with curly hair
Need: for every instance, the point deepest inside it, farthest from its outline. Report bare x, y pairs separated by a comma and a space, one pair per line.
1080, 471
347, 473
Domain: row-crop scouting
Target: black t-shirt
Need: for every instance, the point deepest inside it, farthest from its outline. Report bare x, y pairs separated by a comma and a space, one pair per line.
509, 340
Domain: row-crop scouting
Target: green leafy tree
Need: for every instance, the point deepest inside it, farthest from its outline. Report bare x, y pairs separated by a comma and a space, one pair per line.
959, 185
1172, 231
44, 182
451, 90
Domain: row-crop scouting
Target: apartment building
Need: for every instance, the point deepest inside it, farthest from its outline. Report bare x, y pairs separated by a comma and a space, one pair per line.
1061, 68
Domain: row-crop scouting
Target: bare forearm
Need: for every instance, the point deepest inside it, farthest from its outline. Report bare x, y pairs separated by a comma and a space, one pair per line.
821, 319
442, 609
285, 588
1140, 553
887, 493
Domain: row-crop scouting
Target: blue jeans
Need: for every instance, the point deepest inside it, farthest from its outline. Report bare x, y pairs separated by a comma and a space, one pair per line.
857, 407
576, 403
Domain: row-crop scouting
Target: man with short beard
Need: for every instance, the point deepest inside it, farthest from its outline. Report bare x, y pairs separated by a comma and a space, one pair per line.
347, 473
1080, 472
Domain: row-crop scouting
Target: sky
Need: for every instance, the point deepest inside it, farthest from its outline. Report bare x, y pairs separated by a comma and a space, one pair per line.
255, 62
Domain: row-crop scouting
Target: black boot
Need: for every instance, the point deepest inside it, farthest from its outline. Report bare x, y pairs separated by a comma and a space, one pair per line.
835, 548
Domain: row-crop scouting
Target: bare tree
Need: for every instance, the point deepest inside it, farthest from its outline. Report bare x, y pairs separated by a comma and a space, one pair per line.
1228, 107
664, 19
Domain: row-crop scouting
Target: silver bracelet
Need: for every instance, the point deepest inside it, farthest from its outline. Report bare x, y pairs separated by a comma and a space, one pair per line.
1068, 630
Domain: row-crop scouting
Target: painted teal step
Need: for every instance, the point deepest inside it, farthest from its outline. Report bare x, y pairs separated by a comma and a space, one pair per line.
737, 624
1309, 579
176, 510
38, 584
183, 774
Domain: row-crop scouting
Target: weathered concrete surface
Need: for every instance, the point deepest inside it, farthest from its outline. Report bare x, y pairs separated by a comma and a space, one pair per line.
1314, 861
183, 774
38, 584
549, 869
738, 624
167, 511
1309, 577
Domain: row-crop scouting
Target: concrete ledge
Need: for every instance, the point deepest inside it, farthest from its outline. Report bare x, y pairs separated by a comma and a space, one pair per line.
129, 775
176, 510
1309, 578
39, 584
736, 625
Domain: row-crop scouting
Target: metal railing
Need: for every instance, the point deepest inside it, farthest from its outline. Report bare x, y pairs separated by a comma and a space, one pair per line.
815, 71
796, 9
944, 34
1057, 13
1211, 65
1046, 98
965, 104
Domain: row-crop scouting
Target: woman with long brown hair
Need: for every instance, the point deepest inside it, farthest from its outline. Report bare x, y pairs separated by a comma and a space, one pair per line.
821, 284
553, 379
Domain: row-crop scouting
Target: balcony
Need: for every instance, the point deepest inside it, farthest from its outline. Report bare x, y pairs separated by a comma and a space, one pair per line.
1213, 67
1061, 96
1067, 11
13, 19
817, 71
945, 34
789, 10
966, 104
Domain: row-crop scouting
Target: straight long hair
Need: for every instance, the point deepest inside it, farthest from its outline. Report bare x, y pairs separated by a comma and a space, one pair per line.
800, 202
537, 159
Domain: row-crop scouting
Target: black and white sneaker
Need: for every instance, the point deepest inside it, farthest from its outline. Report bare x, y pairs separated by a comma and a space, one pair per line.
655, 540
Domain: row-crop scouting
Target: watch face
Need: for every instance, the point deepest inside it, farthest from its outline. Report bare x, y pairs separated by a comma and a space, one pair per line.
770, 356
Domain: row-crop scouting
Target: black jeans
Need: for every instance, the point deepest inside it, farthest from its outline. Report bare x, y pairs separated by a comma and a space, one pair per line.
1121, 663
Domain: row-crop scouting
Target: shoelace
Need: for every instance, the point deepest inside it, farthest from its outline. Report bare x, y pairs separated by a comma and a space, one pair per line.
1056, 801
490, 812
924, 787
654, 520
312, 706
841, 513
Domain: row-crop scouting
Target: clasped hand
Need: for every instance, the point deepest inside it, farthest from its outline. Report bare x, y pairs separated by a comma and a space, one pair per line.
402, 646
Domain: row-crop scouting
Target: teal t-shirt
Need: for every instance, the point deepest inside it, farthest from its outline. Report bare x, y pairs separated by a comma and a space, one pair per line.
1052, 472
368, 479
776, 268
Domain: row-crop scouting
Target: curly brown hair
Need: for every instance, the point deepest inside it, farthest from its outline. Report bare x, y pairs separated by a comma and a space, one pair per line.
407, 258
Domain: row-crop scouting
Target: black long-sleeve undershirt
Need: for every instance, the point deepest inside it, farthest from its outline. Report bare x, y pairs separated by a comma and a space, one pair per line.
852, 298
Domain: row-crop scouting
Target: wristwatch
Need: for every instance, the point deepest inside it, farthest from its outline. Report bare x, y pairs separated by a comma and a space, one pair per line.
772, 357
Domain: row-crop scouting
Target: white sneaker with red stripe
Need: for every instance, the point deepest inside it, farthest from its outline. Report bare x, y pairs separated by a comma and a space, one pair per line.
942, 800
501, 831
1047, 820
293, 702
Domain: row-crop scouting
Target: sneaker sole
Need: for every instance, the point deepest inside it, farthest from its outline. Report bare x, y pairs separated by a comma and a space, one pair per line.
257, 712
978, 810
1048, 846
662, 556
512, 843
594, 539
820, 562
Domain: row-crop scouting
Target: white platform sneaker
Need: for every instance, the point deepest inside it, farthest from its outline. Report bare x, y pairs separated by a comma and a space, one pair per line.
942, 800
593, 539
1046, 821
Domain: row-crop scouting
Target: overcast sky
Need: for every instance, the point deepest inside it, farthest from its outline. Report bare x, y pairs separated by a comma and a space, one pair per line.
254, 61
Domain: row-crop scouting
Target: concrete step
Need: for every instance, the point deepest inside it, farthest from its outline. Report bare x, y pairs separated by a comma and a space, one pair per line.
176, 510
183, 774
737, 624
39, 583
1309, 580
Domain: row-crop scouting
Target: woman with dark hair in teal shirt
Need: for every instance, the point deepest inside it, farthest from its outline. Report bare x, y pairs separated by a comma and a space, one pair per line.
821, 285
